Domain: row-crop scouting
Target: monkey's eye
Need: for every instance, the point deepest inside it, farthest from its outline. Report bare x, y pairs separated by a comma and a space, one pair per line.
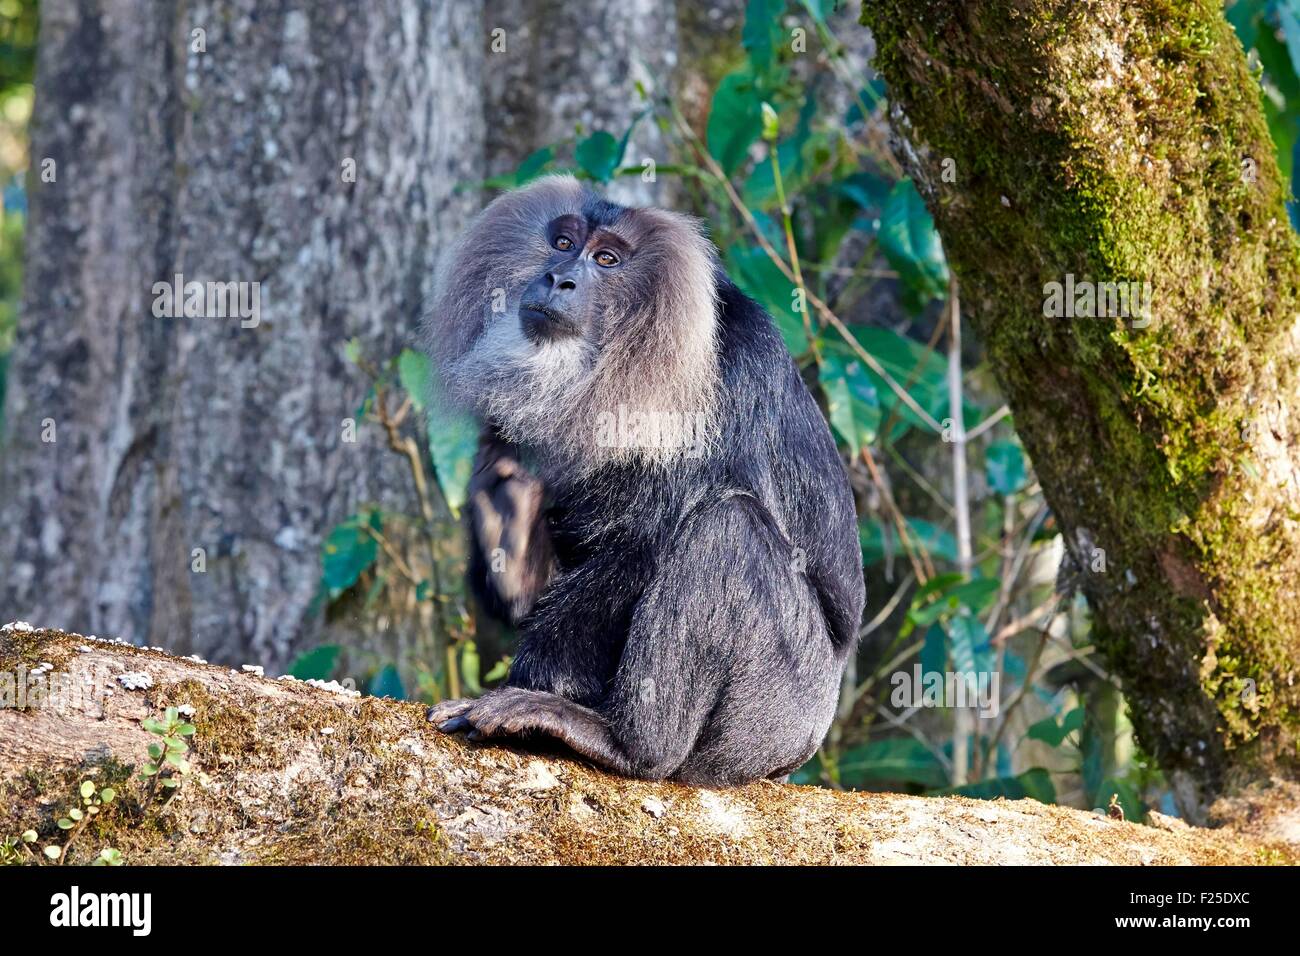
563, 243
606, 258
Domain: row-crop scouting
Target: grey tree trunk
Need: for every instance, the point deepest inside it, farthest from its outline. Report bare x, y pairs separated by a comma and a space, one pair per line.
224, 156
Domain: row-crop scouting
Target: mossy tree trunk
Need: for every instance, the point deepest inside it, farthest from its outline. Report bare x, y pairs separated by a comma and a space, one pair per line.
1124, 141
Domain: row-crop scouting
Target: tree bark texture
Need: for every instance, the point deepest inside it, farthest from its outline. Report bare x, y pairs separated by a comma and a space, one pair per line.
1113, 141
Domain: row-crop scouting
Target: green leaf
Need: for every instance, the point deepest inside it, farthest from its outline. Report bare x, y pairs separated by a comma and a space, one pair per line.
1053, 734
851, 400
413, 372
1291, 34
53, 852
65, 824
934, 652
761, 32
76, 813
387, 683
893, 759
876, 545
349, 550
735, 120
87, 788
534, 165
108, 794
186, 730
149, 770
453, 435
599, 155
499, 670
470, 666
911, 244
29, 836
1034, 784
921, 371
176, 745
1244, 17
153, 726
316, 664
952, 594
1004, 467
761, 280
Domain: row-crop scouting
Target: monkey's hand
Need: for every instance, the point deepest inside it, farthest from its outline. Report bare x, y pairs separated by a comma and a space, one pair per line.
511, 559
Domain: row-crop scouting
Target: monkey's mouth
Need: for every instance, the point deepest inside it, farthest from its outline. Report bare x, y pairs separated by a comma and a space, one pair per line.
541, 323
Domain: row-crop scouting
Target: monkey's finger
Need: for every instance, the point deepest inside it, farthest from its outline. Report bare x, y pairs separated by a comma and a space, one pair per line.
455, 725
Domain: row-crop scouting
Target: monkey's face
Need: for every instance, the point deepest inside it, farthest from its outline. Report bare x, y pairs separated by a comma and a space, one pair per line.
571, 295
560, 312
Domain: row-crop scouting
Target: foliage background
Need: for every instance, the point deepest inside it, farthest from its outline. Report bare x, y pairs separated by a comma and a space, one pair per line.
787, 156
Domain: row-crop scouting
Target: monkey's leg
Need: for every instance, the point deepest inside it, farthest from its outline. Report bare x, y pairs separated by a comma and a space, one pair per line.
513, 711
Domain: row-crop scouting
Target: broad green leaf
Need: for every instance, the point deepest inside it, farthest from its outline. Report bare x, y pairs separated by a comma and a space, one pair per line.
761, 280
413, 371
349, 550
1244, 17
499, 670
534, 165
1004, 467
316, 664
735, 120
453, 435
934, 652
852, 404
1053, 734
895, 759
964, 634
875, 544
762, 32
470, 666
922, 372
387, 683
911, 244
599, 155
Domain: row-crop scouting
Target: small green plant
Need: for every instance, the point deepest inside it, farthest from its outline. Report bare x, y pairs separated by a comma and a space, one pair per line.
92, 801
167, 765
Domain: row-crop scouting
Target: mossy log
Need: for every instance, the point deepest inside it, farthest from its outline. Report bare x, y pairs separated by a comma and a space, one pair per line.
1114, 142
284, 772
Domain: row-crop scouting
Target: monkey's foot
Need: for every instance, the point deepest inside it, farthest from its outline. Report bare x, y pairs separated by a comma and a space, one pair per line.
447, 711
508, 710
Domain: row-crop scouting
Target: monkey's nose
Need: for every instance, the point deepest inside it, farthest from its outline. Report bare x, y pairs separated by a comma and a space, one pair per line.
558, 284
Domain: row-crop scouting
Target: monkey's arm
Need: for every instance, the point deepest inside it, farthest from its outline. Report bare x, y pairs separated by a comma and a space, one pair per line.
510, 560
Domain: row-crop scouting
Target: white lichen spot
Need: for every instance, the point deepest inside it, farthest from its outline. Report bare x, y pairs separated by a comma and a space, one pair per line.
135, 680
